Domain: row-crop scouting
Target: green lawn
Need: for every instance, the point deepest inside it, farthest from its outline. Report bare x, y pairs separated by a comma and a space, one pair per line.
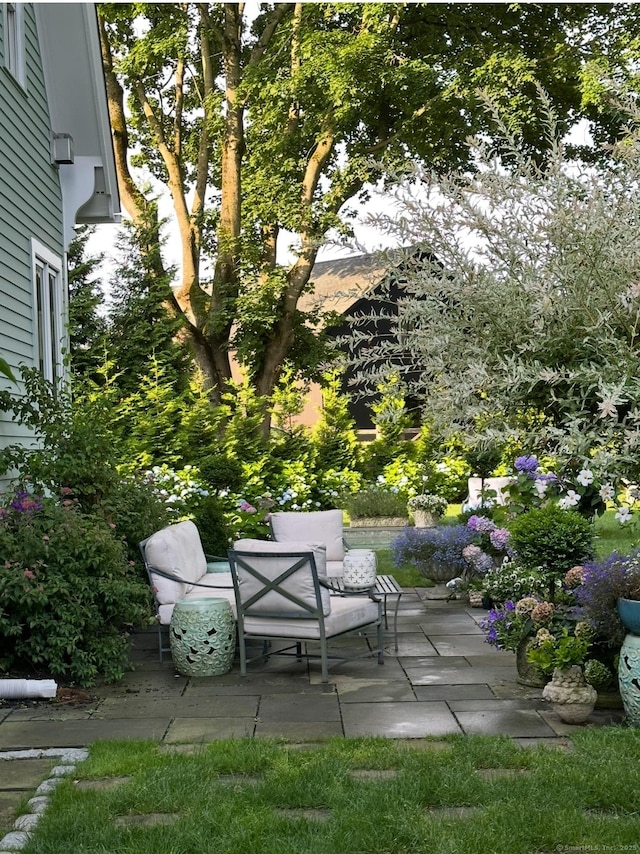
459, 795
612, 536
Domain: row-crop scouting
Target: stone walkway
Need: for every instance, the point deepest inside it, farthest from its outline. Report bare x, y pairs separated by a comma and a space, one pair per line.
443, 679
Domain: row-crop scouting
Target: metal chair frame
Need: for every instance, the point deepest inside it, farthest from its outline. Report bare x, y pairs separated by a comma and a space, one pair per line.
152, 569
302, 610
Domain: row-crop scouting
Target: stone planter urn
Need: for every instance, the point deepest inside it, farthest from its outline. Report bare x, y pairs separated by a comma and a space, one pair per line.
528, 673
571, 697
425, 519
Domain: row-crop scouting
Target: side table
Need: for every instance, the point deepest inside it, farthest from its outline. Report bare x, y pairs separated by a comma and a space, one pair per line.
202, 636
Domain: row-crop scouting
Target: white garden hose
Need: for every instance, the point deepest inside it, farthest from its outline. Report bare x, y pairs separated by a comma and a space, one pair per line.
17, 689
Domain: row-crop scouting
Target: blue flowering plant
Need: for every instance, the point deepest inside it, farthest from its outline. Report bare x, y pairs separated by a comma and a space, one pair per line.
604, 582
422, 547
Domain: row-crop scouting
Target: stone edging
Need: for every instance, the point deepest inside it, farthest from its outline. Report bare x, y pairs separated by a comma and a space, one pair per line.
24, 825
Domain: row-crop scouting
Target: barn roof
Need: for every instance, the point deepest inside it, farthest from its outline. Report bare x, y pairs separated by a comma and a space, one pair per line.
341, 282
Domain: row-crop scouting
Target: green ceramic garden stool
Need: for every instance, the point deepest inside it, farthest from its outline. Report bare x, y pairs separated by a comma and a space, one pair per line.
202, 637
629, 678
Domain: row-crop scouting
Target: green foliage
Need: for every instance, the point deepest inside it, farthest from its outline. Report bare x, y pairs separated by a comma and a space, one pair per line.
75, 457
561, 651
317, 88
213, 525
375, 501
68, 592
334, 435
522, 325
5, 370
87, 327
552, 539
74, 444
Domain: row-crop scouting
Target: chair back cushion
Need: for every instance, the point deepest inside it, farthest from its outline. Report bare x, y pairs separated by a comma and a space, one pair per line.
176, 550
271, 560
500, 485
323, 526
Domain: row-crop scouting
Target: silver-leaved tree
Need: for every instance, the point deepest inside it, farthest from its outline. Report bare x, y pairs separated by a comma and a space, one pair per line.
522, 310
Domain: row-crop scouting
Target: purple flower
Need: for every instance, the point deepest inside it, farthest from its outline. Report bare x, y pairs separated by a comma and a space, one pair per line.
527, 464
499, 538
483, 563
25, 503
245, 507
480, 524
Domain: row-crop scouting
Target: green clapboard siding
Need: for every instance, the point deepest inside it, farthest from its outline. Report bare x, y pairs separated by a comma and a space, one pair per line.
30, 204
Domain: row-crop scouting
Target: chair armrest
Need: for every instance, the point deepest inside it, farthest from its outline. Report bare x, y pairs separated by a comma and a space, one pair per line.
182, 580
334, 586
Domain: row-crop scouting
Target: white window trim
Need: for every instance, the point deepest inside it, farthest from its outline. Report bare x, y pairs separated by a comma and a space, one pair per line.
14, 35
54, 310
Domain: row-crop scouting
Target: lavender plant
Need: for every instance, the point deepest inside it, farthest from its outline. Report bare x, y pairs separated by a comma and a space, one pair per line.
606, 581
420, 547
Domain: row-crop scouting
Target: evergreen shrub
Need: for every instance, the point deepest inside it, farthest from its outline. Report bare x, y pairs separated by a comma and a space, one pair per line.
552, 539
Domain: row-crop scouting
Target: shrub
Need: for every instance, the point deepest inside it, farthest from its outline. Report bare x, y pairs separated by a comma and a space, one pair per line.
552, 539
420, 547
375, 502
68, 593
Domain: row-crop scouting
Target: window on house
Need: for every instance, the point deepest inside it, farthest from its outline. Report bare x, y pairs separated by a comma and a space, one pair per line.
14, 41
49, 312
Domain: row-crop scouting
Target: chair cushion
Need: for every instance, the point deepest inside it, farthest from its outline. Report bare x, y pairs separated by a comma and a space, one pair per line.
323, 526
176, 550
346, 614
300, 584
475, 486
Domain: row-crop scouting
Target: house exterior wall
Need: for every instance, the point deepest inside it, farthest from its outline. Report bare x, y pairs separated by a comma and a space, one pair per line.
30, 201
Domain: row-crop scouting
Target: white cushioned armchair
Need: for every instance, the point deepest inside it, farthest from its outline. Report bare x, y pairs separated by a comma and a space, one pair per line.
177, 568
282, 593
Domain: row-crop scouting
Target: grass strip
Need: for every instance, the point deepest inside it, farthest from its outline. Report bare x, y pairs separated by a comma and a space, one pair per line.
476, 795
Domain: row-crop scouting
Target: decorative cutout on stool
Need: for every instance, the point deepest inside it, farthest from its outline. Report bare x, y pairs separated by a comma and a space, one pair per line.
203, 637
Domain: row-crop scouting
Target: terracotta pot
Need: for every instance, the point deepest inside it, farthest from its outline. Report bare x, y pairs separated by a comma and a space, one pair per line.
571, 697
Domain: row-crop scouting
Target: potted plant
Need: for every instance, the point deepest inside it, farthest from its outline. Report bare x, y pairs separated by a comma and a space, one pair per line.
427, 509
610, 597
512, 627
552, 540
436, 552
571, 697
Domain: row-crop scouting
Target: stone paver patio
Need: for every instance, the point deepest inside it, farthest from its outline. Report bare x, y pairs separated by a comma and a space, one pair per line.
444, 679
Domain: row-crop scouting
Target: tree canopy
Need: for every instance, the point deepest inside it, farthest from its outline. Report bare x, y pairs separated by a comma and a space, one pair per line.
267, 128
528, 327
